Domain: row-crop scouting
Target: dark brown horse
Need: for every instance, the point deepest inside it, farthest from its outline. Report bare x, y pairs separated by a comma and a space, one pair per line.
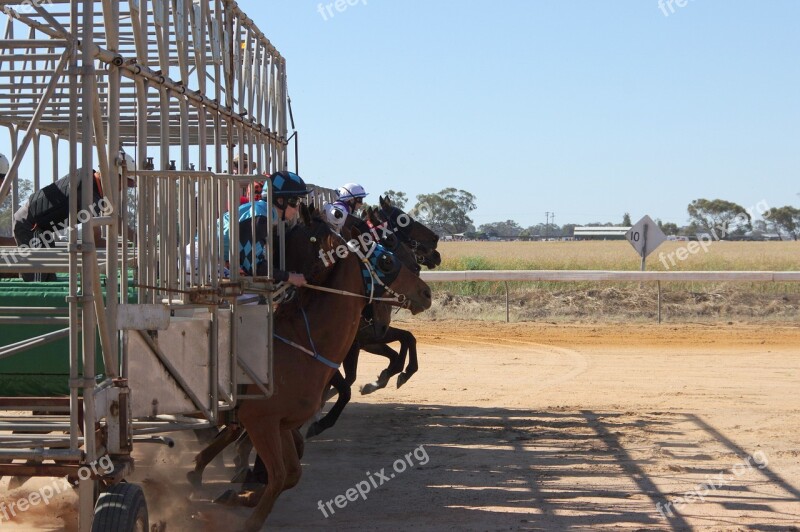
375, 334
421, 240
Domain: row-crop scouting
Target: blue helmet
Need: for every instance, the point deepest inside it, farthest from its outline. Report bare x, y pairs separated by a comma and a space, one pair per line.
285, 184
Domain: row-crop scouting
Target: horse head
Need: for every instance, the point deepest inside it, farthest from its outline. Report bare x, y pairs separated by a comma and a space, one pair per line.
377, 315
390, 270
421, 240
314, 249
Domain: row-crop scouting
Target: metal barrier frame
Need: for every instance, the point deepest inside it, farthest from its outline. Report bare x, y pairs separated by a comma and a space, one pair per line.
196, 76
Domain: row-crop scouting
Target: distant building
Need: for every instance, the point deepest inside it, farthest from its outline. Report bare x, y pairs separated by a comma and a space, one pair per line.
600, 232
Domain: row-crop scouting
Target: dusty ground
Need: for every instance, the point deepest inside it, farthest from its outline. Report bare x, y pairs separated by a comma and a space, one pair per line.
546, 427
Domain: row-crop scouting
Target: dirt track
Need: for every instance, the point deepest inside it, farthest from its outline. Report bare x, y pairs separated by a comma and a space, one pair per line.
548, 427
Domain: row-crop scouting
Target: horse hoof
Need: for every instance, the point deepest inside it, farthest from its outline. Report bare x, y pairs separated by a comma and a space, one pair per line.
330, 394
195, 478
253, 486
253, 482
241, 475
402, 379
369, 388
227, 499
313, 430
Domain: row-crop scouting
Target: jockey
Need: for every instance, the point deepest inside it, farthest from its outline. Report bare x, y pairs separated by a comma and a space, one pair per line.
287, 189
351, 196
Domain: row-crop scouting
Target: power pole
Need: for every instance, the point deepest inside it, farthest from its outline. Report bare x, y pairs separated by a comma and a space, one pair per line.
549, 217
546, 222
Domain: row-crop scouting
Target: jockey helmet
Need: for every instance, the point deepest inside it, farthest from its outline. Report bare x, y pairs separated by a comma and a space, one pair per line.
351, 191
287, 184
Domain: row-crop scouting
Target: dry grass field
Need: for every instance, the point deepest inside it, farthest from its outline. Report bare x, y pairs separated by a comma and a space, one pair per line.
750, 302
618, 255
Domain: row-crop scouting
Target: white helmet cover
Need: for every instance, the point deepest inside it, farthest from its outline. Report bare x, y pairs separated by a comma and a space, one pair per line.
350, 191
3, 166
335, 215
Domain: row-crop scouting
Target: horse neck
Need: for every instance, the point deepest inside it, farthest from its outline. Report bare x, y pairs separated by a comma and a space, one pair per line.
333, 319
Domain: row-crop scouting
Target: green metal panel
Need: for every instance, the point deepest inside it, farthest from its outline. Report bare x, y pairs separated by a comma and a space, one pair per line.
43, 370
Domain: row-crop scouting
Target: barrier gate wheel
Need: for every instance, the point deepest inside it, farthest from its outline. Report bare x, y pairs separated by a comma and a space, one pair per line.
121, 509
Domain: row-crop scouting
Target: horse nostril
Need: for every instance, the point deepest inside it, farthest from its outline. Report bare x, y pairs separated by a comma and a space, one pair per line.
427, 294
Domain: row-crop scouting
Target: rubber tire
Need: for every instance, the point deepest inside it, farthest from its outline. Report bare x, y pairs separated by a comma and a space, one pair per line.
120, 509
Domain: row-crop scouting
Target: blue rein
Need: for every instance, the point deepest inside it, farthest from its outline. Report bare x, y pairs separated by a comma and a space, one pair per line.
313, 354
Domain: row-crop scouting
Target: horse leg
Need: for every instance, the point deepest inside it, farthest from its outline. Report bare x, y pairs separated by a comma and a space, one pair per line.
338, 382
268, 439
285, 471
299, 443
242, 460
350, 363
408, 342
259, 475
350, 366
204, 457
395, 366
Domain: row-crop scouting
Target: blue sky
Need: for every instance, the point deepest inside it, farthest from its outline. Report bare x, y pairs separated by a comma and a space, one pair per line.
588, 109
585, 109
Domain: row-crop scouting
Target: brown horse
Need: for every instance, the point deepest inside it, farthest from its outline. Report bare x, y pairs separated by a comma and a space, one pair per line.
302, 257
313, 320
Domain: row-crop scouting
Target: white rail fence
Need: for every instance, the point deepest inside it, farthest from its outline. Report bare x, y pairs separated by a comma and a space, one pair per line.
506, 276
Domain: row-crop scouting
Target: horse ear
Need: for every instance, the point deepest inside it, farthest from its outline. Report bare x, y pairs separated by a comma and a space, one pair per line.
373, 217
384, 202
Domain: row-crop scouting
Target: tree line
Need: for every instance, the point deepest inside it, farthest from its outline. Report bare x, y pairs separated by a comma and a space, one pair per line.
447, 213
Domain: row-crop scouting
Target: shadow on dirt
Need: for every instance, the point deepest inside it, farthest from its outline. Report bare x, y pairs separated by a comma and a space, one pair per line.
495, 468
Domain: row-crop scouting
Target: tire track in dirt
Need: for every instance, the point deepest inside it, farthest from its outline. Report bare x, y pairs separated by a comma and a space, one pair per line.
577, 359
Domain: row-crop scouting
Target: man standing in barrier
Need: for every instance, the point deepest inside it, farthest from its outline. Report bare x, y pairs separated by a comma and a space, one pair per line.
38, 221
4, 240
244, 167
